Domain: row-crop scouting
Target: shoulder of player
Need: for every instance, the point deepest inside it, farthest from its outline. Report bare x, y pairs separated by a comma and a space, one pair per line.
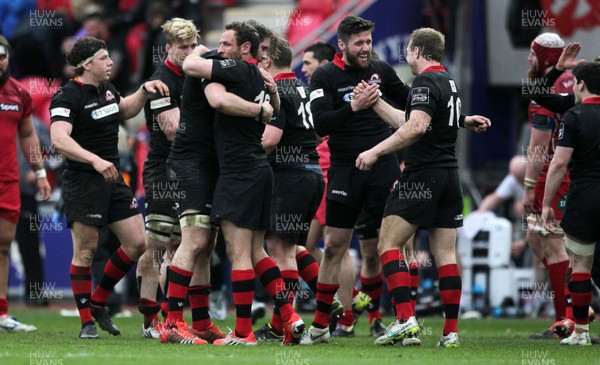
380, 65
71, 91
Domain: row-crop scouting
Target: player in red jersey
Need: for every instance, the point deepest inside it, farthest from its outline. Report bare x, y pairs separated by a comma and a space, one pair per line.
15, 113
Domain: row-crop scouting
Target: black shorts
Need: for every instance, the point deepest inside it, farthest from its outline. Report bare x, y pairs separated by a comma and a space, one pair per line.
582, 212
195, 180
297, 194
366, 226
244, 198
352, 190
91, 200
161, 195
430, 198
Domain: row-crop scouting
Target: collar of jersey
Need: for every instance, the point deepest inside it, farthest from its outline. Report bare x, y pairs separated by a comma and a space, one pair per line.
285, 76
591, 100
439, 68
253, 61
338, 61
89, 86
173, 67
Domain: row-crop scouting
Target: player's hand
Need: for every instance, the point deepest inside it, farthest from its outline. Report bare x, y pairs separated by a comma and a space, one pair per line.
477, 123
528, 201
548, 219
106, 169
155, 86
200, 50
267, 112
567, 59
360, 87
44, 188
269, 82
366, 160
366, 99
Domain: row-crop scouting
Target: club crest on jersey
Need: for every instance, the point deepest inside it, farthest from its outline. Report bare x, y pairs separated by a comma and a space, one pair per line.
375, 79
134, 204
420, 95
9, 107
109, 96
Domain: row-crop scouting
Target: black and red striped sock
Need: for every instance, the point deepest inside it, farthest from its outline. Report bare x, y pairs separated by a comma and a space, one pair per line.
450, 292
414, 285
198, 295
325, 294
270, 277
116, 267
398, 281
568, 300
556, 275
290, 280
179, 282
149, 308
81, 283
308, 268
347, 319
242, 285
373, 288
580, 287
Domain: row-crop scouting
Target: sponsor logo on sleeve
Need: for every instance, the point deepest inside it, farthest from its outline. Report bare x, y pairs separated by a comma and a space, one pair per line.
160, 103
561, 131
301, 91
315, 94
227, 63
105, 111
420, 95
60, 112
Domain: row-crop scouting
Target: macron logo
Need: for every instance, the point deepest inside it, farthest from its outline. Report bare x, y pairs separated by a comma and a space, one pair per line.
83, 300
339, 192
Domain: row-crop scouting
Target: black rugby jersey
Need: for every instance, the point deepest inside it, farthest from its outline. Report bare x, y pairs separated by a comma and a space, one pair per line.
434, 92
238, 139
173, 77
330, 95
297, 146
580, 130
94, 113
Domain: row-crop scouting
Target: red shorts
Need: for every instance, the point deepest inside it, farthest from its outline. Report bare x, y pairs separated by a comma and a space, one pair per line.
10, 201
324, 162
559, 201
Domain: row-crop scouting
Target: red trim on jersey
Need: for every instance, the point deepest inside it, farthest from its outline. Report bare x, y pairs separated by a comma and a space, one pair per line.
338, 61
591, 100
173, 67
439, 68
253, 61
76, 79
285, 76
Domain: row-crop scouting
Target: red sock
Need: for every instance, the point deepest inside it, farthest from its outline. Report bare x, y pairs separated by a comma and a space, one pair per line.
556, 273
81, 283
308, 269
198, 296
398, 281
347, 319
450, 292
242, 285
568, 300
270, 277
581, 293
325, 294
373, 288
3, 306
290, 280
117, 266
164, 308
179, 282
414, 285
149, 308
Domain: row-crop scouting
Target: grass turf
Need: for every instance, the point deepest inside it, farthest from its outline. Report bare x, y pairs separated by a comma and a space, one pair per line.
487, 341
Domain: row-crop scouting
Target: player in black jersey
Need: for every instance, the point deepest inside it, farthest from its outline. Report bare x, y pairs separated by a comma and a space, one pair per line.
290, 141
85, 116
243, 192
428, 193
578, 141
192, 168
352, 127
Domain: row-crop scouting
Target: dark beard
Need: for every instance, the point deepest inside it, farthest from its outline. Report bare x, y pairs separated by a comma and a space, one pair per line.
5, 76
353, 61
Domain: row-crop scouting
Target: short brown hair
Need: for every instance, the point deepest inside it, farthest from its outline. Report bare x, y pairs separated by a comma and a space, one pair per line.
430, 42
352, 25
84, 48
245, 33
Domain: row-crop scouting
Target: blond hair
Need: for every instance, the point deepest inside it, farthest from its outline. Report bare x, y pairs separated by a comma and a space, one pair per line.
179, 30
